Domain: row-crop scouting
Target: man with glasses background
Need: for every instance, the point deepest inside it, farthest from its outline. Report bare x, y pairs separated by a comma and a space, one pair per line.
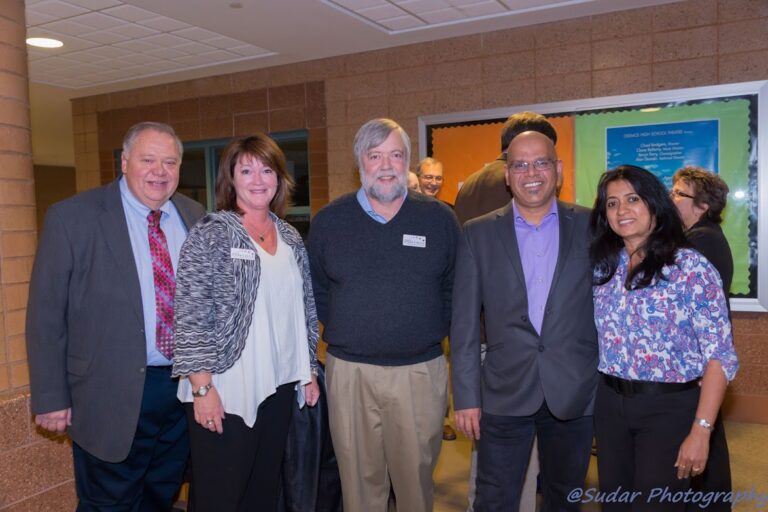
527, 267
430, 173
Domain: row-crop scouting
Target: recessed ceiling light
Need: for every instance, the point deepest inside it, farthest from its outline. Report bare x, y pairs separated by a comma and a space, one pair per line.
44, 42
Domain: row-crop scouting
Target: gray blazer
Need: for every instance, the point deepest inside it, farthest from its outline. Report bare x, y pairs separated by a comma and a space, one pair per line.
523, 368
85, 324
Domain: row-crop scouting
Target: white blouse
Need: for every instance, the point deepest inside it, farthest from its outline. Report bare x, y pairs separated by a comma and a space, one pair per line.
275, 351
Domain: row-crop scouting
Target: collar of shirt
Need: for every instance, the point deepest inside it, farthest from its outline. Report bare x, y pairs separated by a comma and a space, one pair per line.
365, 204
521, 221
137, 206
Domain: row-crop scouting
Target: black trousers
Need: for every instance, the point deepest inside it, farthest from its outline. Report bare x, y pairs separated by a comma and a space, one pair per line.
504, 450
638, 439
717, 474
239, 470
149, 478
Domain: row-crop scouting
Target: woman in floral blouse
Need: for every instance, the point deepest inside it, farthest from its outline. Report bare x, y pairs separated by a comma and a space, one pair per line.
666, 351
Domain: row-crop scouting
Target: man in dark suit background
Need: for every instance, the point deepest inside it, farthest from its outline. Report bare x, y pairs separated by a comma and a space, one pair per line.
527, 266
99, 327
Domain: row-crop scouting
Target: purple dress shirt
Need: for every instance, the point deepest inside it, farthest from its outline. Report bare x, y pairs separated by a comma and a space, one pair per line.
538, 246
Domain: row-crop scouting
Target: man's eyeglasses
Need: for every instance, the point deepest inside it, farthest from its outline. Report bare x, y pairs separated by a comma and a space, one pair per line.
541, 165
429, 177
677, 193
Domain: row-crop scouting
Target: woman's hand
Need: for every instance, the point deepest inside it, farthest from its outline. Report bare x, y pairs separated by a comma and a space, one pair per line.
693, 453
312, 392
209, 411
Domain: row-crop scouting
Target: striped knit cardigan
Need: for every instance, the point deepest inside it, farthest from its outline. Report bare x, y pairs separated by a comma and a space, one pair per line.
216, 293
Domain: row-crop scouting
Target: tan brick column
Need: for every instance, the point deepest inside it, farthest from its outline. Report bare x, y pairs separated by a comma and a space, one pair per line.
17, 196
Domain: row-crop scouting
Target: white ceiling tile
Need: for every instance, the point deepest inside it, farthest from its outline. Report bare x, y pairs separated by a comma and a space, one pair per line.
130, 13
136, 45
66, 27
484, 9
97, 20
133, 30
165, 53
196, 34
249, 50
194, 48
105, 37
402, 23
164, 24
58, 9
419, 6
136, 59
165, 41
38, 18
94, 4
195, 60
355, 5
224, 42
443, 15
381, 12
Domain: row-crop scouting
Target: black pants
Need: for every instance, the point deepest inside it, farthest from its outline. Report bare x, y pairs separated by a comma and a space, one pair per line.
149, 478
638, 439
717, 474
239, 470
504, 450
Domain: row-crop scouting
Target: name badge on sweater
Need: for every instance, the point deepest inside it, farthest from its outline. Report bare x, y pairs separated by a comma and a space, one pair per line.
414, 241
242, 254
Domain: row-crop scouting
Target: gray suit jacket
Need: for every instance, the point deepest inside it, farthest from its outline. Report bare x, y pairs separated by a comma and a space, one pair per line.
85, 324
523, 368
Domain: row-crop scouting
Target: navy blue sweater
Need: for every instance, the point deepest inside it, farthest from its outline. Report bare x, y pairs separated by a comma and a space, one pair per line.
384, 302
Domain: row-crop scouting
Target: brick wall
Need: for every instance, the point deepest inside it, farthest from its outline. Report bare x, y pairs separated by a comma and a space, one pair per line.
687, 44
35, 474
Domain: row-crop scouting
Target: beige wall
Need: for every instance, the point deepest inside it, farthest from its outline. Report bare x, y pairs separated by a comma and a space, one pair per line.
688, 44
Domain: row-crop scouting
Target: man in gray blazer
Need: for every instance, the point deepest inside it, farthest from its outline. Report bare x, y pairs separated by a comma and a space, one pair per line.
97, 314
527, 266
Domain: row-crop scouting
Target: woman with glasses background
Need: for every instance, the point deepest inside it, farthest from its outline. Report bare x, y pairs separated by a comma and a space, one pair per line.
700, 196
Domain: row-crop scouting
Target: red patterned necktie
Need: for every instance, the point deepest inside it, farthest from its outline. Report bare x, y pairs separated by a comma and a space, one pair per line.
165, 285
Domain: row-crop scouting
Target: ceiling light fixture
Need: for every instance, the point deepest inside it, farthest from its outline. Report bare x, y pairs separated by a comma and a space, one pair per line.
44, 42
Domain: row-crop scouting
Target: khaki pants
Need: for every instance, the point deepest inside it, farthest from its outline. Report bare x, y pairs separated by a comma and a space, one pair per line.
387, 424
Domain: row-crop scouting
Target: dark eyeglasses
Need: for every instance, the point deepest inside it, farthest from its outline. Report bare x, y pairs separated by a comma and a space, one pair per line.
677, 193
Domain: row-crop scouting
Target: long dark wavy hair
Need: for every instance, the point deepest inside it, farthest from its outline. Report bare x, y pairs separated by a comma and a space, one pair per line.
662, 243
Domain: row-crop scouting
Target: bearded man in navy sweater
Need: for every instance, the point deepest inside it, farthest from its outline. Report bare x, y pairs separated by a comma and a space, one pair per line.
382, 264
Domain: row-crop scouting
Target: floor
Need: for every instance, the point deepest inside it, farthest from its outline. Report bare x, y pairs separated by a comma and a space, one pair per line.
748, 444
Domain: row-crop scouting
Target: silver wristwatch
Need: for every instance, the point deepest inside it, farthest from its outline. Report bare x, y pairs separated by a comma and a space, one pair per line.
704, 423
202, 390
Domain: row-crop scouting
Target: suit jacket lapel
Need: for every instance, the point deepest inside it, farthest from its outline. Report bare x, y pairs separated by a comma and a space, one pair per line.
565, 215
505, 223
115, 232
188, 217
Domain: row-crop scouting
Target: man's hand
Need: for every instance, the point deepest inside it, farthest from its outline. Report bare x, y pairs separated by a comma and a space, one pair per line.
468, 422
55, 421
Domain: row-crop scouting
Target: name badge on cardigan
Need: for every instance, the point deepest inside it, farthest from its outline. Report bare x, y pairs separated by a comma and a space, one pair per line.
238, 253
414, 241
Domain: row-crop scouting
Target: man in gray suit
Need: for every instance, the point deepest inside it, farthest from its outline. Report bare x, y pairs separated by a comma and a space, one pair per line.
527, 266
99, 328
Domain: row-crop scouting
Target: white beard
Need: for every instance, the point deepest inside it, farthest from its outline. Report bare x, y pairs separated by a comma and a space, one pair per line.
381, 192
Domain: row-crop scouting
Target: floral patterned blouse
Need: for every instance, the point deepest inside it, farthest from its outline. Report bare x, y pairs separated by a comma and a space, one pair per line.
668, 331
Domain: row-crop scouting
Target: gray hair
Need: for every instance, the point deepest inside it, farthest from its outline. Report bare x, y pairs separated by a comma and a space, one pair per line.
374, 133
427, 161
135, 130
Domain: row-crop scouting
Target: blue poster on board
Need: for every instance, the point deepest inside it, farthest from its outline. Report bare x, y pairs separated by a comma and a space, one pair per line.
664, 148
